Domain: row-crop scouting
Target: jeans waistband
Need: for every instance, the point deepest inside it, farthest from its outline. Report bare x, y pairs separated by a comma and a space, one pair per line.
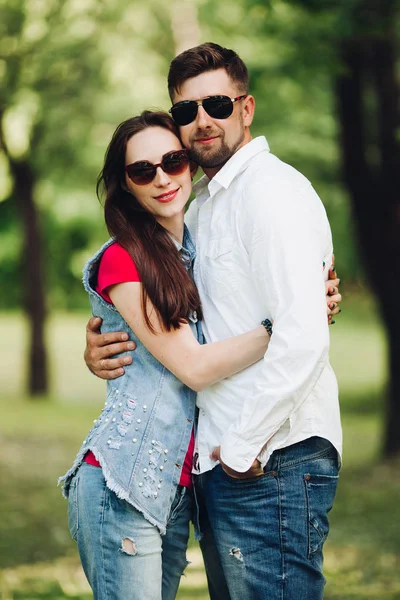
309, 449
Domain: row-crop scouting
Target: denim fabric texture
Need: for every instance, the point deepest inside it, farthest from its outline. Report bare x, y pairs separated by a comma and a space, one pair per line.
142, 435
262, 538
122, 553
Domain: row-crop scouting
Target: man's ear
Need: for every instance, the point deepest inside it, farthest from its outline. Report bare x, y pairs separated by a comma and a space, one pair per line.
249, 105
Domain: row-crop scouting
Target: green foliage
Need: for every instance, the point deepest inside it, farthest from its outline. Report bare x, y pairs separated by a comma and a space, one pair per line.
67, 246
70, 72
10, 250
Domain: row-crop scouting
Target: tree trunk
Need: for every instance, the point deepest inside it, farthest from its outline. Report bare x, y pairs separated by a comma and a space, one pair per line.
33, 276
371, 170
184, 24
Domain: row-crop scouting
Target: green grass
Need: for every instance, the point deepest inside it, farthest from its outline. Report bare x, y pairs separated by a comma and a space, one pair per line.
39, 440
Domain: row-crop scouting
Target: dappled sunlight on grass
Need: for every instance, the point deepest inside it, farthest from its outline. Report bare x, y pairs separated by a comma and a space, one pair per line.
64, 578
61, 578
356, 573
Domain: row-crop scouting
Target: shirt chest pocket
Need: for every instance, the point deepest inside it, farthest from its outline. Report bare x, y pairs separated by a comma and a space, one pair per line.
219, 268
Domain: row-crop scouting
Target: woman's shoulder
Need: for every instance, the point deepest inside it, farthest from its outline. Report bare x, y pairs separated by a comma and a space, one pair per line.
115, 252
116, 263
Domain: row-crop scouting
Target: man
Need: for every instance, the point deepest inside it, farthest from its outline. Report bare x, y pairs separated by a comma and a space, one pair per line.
269, 438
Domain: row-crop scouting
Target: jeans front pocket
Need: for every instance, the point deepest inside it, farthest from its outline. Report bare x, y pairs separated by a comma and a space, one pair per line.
320, 493
73, 512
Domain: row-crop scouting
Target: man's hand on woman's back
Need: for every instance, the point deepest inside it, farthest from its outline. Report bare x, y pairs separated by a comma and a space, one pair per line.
102, 347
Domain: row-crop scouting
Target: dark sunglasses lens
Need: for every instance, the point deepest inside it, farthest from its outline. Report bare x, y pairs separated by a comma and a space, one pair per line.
175, 163
184, 113
218, 108
142, 174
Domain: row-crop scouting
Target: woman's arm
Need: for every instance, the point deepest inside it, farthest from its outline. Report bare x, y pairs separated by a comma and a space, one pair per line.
196, 365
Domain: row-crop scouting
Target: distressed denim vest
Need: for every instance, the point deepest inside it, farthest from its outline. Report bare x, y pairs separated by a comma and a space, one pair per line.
142, 434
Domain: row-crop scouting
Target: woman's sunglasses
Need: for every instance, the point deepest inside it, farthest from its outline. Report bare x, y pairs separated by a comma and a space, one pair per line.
172, 163
218, 107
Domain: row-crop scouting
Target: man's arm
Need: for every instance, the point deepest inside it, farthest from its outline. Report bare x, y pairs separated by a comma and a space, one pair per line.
279, 235
333, 298
101, 346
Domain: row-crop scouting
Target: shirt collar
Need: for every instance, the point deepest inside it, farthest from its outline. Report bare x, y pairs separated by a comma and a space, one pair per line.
228, 172
187, 249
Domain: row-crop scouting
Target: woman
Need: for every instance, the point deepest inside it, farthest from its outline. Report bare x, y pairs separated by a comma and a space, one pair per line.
129, 496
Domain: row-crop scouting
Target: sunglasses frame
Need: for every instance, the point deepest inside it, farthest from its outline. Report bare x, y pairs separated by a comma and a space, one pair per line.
146, 163
200, 102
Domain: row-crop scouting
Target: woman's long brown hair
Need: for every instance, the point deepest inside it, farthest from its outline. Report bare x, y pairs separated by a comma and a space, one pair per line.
166, 282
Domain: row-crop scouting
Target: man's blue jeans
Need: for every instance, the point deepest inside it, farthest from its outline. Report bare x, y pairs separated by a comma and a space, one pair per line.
123, 555
263, 537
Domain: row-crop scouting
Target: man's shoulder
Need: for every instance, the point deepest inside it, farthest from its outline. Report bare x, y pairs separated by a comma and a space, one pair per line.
267, 169
272, 188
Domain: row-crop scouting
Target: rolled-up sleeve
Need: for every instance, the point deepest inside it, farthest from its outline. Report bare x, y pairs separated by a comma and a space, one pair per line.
287, 236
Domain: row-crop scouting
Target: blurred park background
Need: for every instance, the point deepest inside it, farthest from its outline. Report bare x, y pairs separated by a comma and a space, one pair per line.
325, 77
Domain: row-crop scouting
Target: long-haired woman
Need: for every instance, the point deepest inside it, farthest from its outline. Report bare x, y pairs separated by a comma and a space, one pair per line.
129, 489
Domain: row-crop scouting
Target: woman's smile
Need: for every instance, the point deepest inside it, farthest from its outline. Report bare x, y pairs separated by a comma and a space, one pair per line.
167, 196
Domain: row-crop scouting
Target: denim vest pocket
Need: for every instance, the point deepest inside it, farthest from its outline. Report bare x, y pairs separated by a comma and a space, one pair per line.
219, 264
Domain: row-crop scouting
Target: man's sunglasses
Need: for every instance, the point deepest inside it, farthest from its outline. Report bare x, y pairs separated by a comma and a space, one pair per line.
172, 163
218, 107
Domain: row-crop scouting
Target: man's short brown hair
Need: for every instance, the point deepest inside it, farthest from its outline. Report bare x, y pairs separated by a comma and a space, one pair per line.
207, 57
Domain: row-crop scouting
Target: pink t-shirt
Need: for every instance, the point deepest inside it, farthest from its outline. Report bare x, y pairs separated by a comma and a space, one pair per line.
117, 266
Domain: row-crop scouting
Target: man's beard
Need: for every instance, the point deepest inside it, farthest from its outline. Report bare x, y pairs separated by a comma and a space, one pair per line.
210, 159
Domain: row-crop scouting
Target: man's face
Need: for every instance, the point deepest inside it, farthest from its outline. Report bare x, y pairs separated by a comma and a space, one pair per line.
211, 141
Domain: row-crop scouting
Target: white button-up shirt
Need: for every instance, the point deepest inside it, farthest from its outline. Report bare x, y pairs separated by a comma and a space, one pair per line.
264, 248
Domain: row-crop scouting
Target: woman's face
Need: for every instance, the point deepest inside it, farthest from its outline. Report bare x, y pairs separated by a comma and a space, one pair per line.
166, 195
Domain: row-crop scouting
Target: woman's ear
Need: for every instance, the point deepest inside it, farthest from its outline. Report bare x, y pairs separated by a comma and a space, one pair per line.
124, 186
